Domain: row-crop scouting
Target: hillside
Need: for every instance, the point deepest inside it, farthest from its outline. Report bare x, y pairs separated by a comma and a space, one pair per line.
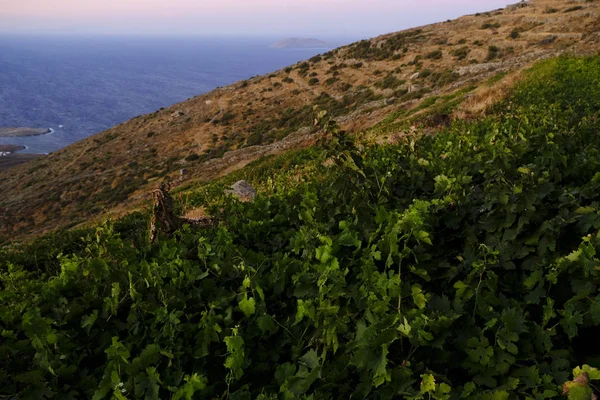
361, 85
462, 265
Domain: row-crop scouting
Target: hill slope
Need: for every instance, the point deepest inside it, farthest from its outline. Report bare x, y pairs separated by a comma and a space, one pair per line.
360, 84
462, 265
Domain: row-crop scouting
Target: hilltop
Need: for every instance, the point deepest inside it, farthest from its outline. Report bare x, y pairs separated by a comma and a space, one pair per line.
455, 68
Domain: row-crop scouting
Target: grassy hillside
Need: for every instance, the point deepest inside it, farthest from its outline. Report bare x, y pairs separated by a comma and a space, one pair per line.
366, 84
456, 265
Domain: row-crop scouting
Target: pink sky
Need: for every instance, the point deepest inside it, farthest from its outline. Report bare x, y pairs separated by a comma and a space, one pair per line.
252, 17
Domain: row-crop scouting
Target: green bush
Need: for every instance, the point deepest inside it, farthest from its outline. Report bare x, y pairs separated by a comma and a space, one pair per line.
461, 53
434, 55
493, 53
389, 82
489, 25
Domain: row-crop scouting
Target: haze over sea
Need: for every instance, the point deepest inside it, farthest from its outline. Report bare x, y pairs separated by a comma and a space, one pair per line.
81, 86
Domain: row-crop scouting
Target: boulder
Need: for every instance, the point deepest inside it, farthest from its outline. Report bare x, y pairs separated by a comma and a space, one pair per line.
548, 40
182, 174
243, 190
414, 88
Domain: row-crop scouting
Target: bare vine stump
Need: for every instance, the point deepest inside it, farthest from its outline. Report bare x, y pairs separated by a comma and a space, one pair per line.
164, 219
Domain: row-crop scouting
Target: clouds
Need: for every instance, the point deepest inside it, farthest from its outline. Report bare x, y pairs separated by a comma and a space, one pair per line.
257, 17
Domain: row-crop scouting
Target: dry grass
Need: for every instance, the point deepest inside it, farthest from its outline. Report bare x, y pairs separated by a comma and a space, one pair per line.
480, 100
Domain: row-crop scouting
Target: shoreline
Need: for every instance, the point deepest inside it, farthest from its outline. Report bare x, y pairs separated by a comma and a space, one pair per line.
24, 132
11, 148
10, 156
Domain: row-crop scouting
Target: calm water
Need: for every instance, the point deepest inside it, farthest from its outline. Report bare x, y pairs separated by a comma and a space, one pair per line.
79, 87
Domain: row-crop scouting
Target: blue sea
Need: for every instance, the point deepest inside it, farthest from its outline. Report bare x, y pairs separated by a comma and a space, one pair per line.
81, 86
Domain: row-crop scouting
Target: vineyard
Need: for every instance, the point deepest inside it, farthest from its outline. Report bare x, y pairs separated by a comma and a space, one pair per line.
462, 265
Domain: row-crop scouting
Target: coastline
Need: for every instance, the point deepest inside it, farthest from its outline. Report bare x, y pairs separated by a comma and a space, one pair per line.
24, 132
9, 156
11, 148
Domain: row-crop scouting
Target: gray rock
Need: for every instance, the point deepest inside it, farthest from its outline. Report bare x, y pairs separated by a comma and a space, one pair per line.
243, 190
548, 40
413, 88
182, 174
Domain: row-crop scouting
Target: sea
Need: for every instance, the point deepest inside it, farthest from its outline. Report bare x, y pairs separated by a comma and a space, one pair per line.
80, 86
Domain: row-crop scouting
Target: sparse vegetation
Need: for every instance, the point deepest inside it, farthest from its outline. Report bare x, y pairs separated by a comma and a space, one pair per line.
489, 25
366, 50
574, 8
461, 53
434, 55
331, 81
389, 82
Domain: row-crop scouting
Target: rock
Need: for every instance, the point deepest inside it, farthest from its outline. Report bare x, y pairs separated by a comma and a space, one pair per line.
391, 100
548, 39
243, 190
413, 88
514, 7
415, 76
305, 130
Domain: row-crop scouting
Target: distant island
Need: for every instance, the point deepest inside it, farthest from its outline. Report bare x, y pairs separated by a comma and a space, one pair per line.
300, 43
21, 132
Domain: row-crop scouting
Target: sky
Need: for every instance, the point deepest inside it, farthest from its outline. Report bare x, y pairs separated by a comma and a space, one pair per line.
285, 18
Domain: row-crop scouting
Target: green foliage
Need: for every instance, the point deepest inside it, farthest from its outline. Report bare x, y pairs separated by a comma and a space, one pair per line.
493, 53
368, 50
192, 157
389, 82
225, 119
461, 53
461, 265
434, 55
489, 25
